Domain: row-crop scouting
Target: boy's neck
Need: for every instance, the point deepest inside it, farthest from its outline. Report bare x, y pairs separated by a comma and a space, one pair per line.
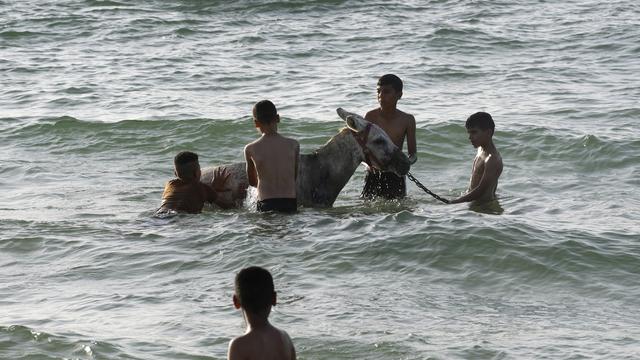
388, 112
256, 321
271, 129
489, 147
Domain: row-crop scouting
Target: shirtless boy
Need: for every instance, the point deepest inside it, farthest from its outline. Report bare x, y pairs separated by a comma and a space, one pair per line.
255, 294
272, 162
398, 125
186, 193
487, 166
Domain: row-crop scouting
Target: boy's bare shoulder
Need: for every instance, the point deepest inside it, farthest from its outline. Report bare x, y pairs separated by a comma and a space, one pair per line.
286, 336
251, 345
376, 115
405, 116
294, 142
493, 163
495, 158
372, 113
251, 145
289, 349
238, 347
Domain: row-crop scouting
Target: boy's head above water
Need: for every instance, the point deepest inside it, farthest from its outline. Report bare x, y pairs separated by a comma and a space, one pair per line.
389, 90
391, 80
265, 112
480, 127
480, 120
186, 165
254, 290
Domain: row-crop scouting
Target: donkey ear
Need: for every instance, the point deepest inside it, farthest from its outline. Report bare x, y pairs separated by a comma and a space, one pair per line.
351, 123
354, 122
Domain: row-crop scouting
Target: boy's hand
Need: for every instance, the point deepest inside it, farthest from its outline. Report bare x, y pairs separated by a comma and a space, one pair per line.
220, 176
413, 158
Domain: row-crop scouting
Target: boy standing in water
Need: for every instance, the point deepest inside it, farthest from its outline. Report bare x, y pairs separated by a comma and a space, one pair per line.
487, 166
272, 162
187, 193
255, 294
398, 125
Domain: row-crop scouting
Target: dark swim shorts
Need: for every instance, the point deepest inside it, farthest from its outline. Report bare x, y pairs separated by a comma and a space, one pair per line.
285, 205
384, 184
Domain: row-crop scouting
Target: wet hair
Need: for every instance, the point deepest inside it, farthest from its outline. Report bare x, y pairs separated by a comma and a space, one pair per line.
254, 289
265, 112
390, 79
480, 120
185, 163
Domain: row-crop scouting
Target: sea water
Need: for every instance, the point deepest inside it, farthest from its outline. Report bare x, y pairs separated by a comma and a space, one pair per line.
97, 97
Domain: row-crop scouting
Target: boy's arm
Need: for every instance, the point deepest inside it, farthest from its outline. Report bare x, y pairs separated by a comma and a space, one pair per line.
165, 195
289, 344
293, 352
411, 140
167, 189
489, 177
252, 175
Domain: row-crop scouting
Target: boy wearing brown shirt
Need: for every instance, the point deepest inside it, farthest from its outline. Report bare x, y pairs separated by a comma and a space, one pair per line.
186, 193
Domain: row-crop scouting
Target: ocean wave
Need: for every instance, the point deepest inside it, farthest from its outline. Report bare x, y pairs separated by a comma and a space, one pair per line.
18, 35
437, 141
22, 342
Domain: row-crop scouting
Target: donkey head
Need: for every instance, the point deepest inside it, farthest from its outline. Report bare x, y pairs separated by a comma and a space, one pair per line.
378, 149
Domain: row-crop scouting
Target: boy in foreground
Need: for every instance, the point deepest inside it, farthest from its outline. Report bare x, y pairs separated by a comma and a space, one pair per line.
255, 294
186, 193
398, 125
487, 165
272, 162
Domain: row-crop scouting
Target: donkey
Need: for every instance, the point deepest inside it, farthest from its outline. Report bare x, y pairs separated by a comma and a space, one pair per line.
323, 173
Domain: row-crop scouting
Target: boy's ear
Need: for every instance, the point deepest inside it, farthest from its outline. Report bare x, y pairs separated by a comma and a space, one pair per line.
274, 299
277, 118
256, 123
236, 302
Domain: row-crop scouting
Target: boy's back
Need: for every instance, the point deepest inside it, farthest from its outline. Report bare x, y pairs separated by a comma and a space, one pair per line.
185, 196
272, 162
255, 295
274, 157
268, 343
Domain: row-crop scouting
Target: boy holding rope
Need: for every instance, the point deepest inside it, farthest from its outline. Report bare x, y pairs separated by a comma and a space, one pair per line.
398, 125
487, 165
